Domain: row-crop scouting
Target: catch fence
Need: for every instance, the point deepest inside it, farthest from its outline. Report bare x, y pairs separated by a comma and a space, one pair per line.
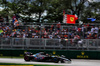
40, 43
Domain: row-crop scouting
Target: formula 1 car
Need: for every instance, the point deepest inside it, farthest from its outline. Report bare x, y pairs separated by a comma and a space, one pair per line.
43, 57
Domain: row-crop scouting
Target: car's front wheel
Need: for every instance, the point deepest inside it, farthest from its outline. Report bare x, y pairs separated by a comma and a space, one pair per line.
62, 61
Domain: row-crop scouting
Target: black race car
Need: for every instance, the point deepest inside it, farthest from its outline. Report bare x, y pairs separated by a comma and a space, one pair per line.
43, 57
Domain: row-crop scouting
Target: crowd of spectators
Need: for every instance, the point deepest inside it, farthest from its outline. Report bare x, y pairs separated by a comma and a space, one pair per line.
57, 31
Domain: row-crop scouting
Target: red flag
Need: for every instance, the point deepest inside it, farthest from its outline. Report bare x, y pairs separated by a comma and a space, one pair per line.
64, 17
71, 19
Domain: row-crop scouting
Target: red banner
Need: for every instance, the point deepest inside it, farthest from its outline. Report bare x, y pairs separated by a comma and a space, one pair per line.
71, 19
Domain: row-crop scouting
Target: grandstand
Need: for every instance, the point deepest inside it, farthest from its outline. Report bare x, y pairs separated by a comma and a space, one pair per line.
50, 36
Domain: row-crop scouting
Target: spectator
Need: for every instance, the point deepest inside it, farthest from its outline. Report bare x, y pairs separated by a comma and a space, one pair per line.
58, 26
96, 29
52, 27
92, 29
89, 32
13, 18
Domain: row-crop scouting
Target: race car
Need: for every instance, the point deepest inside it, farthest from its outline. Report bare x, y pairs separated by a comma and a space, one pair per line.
44, 57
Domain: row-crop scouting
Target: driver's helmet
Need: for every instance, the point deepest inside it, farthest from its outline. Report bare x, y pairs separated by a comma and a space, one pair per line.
62, 56
31, 53
42, 53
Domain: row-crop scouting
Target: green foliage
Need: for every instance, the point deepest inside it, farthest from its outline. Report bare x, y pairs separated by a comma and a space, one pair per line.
54, 9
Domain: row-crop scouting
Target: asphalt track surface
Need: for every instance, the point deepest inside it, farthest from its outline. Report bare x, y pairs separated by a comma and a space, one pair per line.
75, 62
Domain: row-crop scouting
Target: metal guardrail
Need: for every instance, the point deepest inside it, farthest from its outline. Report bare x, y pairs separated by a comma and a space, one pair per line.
31, 43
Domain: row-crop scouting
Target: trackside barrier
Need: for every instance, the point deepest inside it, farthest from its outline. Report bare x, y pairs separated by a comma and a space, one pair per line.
68, 53
65, 44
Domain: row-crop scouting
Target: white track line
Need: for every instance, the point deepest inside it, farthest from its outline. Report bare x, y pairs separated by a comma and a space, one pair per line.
75, 62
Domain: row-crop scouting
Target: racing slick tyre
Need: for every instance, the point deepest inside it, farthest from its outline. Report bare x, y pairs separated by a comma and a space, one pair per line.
56, 60
26, 58
69, 59
62, 61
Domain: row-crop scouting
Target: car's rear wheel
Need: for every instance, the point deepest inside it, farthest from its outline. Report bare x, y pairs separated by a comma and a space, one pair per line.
26, 58
56, 60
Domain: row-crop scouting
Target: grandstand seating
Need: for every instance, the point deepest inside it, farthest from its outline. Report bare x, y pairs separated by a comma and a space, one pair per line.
49, 36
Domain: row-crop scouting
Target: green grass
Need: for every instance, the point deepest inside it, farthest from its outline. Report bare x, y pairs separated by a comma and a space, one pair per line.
25, 64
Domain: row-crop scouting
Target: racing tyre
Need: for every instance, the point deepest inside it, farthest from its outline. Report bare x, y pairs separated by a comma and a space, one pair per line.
69, 60
62, 61
56, 60
26, 58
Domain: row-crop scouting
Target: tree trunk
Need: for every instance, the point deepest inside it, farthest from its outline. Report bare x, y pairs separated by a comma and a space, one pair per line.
39, 16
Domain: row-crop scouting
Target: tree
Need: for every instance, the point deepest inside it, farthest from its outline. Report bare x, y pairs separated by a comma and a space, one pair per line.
53, 8
54, 11
39, 6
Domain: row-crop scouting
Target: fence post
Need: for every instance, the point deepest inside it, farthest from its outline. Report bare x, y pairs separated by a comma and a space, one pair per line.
87, 44
45, 41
